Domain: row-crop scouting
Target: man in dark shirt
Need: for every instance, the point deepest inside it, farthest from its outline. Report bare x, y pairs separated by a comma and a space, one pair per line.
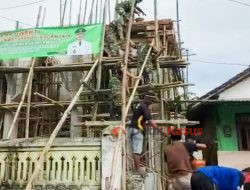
141, 115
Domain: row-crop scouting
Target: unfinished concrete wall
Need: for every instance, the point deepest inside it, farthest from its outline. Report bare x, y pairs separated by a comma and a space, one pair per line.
70, 85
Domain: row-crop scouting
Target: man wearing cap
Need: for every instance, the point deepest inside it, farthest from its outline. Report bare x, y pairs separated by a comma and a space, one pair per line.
141, 116
80, 46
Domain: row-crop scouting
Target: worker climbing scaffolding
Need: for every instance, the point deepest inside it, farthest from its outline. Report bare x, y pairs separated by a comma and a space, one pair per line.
123, 9
142, 50
112, 46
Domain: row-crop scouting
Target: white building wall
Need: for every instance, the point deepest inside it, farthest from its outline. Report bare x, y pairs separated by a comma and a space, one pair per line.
234, 159
238, 91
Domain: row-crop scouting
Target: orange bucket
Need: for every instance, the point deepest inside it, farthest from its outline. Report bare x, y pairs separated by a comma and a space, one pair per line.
196, 164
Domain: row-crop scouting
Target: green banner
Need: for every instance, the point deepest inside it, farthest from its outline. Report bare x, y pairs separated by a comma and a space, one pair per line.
51, 41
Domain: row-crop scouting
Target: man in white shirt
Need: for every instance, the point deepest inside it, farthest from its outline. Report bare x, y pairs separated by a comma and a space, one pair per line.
80, 47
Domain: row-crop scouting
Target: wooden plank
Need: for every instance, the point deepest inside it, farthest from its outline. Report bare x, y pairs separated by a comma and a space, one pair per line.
106, 115
99, 123
77, 66
13, 69
82, 67
161, 22
158, 122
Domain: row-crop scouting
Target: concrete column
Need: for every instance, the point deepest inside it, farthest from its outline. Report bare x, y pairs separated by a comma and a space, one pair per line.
75, 131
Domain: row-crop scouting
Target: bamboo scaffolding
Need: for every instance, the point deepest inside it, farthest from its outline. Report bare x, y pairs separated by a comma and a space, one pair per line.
96, 11
28, 105
91, 13
100, 17
137, 82
70, 12
99, 70
75, 67
48, 145
44, 16
22, 99
79, 13
60, 13
47, 98
124, 82
85, 11
29, 91
64, 11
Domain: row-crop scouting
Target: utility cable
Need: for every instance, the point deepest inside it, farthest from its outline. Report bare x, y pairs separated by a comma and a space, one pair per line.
22, 5
240, 2
219, 63
13, 20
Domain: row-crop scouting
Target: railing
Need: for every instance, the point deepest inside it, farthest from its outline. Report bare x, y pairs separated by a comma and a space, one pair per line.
76, 163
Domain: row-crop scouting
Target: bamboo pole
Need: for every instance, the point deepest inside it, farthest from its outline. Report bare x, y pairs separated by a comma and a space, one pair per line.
70, 12
17, 25
44, 15
29, 91
157, 40
178, 27
79, 13
91, 12
156, 24
60, 12
39, 162
137, 82
28, 104
100, 19
64, 11
38, 16
22, 99
124, 82
99, 70
85, 11
109, 11
96, 11
47, 98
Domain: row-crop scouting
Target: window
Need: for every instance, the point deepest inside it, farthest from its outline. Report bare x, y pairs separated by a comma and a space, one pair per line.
243, 129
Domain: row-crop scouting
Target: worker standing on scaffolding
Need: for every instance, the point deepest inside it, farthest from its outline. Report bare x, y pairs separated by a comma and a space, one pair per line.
141, 116
111, 40
115, 84
123, 9
142, 50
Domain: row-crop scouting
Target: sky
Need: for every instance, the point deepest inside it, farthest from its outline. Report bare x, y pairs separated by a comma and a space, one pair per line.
216, 31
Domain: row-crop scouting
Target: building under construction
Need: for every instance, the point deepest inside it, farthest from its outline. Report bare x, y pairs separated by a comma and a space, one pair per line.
56, 127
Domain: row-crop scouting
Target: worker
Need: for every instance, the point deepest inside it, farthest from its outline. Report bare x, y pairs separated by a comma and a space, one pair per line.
80, 46
178, 156
123, 9
217, 178
247, 178
141, 116
115, 105
111, 39
115, 85
142, 51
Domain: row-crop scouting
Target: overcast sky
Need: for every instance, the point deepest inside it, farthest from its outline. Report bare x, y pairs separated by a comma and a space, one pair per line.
215, 30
